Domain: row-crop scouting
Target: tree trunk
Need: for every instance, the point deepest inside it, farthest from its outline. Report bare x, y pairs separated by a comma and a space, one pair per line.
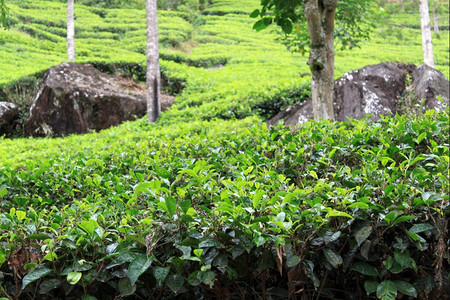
402, 5
435, 21
427, 45
70, 31
320, 16
153, 74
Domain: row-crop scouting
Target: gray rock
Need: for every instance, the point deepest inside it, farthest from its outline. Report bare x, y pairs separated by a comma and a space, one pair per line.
77, 98
428, 84
374, 90
8, 118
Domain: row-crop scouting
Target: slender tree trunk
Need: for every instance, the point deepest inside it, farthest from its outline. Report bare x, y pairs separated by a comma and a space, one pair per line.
402, 5
70, 31
435, 21
153, 74
427, 45
320, 15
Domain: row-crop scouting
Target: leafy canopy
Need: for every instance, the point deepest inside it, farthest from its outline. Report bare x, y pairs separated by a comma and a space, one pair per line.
354, 21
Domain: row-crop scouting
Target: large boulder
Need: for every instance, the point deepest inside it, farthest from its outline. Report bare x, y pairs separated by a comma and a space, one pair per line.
8, 118
429, 84
77, 98
373, 90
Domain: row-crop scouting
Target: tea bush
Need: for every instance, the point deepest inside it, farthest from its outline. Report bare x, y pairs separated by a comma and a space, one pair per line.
209, 203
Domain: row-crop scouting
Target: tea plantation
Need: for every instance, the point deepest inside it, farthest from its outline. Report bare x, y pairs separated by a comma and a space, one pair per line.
208, 203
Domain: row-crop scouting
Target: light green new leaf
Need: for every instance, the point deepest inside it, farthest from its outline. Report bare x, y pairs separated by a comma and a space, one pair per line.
171, 205
138, 266
34, 275
74, 277
387, 290
88, 226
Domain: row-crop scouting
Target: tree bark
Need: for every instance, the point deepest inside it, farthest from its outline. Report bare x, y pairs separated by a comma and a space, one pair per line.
320, 15
427, 45
153, 73
70, 31
435, 21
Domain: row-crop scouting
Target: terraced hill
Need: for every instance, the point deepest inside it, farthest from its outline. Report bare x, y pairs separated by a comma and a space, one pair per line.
208, 203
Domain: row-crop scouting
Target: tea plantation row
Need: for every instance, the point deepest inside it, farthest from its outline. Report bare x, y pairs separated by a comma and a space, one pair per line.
208, 203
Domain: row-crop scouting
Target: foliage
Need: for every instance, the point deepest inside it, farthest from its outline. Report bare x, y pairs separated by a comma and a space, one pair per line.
309, 210
354, 20
208, 202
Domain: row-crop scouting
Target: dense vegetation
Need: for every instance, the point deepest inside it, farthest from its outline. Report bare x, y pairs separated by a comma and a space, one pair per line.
208, 202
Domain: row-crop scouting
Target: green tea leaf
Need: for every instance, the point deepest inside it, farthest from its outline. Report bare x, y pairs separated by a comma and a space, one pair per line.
35, 275
292, 261
48, 285
362, 234
88, 226
418, 228
185, 205
171, 205
175, 282
38, 236
365, 269
137, 267
332, 257
208, 278
74, 277
160, 274
387, 290
125, 287
370, 286
406, 288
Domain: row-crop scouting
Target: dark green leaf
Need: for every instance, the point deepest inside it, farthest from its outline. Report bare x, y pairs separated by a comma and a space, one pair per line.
365, 269
48, 285
138, 266
208, 278
332, 257
362, 234
406, 288
175, 282
418, 228
388, 189
185, 205
160, 274
387, 290
255, 13
403, 258
292, 261
35, 275
370, 286
125, 287
38, 236
194, 278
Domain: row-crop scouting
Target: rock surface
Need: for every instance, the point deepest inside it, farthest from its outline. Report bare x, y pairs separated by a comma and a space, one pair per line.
373, 90
428, 84
77, 98
8, 118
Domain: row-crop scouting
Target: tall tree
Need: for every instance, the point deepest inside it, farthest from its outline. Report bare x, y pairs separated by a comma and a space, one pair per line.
153, 73
317, 18
70, 31
427, 45
3, 13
